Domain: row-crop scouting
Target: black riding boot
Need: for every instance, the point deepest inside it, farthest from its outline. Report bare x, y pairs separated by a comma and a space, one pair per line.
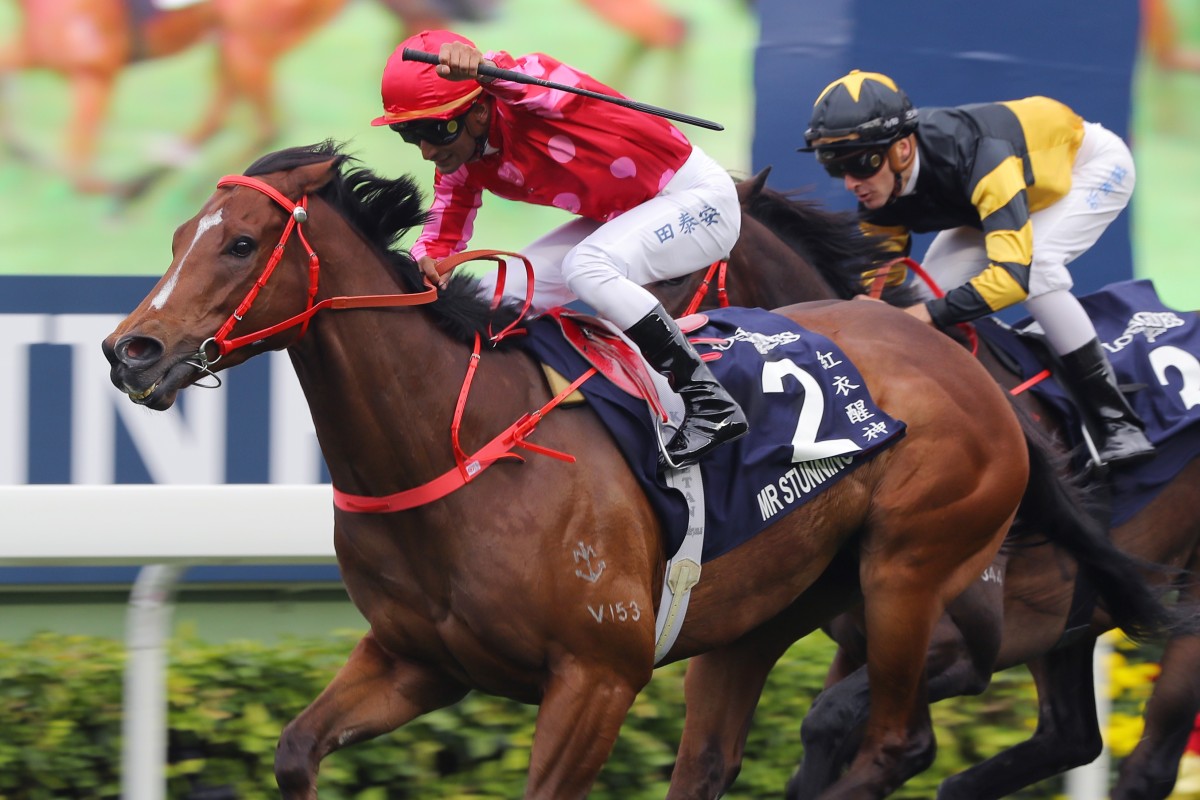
711, 416
1122, 439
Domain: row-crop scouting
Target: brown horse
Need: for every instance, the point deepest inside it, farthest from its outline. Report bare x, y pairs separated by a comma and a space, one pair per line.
481, 588
90, 42
791, 250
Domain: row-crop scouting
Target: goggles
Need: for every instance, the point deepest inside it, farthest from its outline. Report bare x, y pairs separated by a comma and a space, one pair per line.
860, 164
438, 132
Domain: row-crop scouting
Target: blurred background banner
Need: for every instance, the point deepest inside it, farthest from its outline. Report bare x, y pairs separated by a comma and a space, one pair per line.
90, 188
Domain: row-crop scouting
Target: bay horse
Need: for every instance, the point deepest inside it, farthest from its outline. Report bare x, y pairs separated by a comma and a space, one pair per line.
480, 587
91, 42
792, 250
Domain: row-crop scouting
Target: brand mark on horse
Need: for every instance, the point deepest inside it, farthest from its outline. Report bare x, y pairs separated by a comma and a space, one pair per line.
585, 553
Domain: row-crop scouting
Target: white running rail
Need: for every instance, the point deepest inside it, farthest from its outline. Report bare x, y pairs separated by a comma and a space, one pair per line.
163, 529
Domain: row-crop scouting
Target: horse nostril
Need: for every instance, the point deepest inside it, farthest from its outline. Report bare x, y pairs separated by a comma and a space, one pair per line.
139, 350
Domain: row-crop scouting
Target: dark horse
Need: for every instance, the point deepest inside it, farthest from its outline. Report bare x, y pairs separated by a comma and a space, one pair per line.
480, 589
791, 250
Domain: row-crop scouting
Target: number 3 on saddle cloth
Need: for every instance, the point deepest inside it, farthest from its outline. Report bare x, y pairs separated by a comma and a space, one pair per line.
1150, 346
812, 422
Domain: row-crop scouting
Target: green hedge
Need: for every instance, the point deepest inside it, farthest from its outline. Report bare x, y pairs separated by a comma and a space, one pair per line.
60, 711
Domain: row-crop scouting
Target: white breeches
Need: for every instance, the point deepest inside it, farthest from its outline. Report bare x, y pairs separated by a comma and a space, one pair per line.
1102, 181
692, 222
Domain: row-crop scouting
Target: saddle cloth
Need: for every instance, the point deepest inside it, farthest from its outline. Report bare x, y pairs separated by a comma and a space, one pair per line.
812, 422
1149, 345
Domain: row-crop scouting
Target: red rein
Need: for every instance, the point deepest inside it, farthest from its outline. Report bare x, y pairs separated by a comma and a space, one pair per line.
878, 281
467, 467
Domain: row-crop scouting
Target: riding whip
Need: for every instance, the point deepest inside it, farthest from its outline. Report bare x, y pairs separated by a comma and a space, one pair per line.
410, 54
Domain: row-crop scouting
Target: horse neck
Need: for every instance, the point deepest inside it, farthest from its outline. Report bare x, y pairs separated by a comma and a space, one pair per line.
381, 384
771, 272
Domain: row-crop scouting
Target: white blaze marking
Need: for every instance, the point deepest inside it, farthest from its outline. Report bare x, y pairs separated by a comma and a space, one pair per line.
207, 222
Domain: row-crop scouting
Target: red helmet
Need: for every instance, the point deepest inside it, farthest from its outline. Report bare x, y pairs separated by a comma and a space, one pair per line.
414, 90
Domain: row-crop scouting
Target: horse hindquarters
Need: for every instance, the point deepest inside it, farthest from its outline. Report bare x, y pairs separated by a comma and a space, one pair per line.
938, 507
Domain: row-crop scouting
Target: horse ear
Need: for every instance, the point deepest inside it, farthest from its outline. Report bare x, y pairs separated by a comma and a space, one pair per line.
748, 189
312, 177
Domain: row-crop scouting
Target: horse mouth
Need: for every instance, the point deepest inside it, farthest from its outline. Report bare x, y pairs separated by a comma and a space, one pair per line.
138, 397
160, 394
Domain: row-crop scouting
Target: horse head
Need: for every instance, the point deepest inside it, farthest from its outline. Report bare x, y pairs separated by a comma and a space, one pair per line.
243, 277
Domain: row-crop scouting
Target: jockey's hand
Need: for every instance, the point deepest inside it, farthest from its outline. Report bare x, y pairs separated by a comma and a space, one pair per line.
867, 297
460, 62
920, 312
429, 267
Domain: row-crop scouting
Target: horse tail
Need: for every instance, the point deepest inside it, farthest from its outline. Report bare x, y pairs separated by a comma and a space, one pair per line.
1055, 508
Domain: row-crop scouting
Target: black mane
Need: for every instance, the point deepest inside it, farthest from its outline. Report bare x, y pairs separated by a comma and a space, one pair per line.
829, 240
383, 210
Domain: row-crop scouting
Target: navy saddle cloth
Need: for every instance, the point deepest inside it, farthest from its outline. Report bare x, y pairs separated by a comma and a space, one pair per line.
812, 421
1149, 345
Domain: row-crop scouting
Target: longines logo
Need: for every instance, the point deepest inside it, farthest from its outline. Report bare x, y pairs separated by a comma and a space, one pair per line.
1150, 324
761, 341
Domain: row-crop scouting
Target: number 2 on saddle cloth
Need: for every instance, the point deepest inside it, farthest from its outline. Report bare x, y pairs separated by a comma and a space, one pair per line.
812, 421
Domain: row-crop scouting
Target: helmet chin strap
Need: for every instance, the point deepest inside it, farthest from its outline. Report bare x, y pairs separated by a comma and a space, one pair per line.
897, 166
482, 139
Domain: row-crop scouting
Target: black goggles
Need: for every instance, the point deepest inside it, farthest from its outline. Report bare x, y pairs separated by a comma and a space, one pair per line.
860, 164
437, 132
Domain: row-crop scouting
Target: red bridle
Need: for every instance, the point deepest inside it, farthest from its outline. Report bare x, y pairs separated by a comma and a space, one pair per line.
467, 467
297, 216
716, 269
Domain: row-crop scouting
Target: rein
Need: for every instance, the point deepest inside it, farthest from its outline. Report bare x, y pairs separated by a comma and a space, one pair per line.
467, 467
719, 270
878, 280
967, 328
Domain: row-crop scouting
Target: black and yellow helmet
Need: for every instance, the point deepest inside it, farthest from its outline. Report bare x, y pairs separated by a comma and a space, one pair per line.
859, 110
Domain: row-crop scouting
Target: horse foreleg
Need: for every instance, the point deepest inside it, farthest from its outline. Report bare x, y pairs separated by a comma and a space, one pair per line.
1067, 735
578, 720
14, 56
722, 688
372, 694
831, 733
218, 107
1150, 771
180, 154
960, 657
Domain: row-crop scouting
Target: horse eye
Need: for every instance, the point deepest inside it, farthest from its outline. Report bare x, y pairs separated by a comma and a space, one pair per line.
242, 247
673, 281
